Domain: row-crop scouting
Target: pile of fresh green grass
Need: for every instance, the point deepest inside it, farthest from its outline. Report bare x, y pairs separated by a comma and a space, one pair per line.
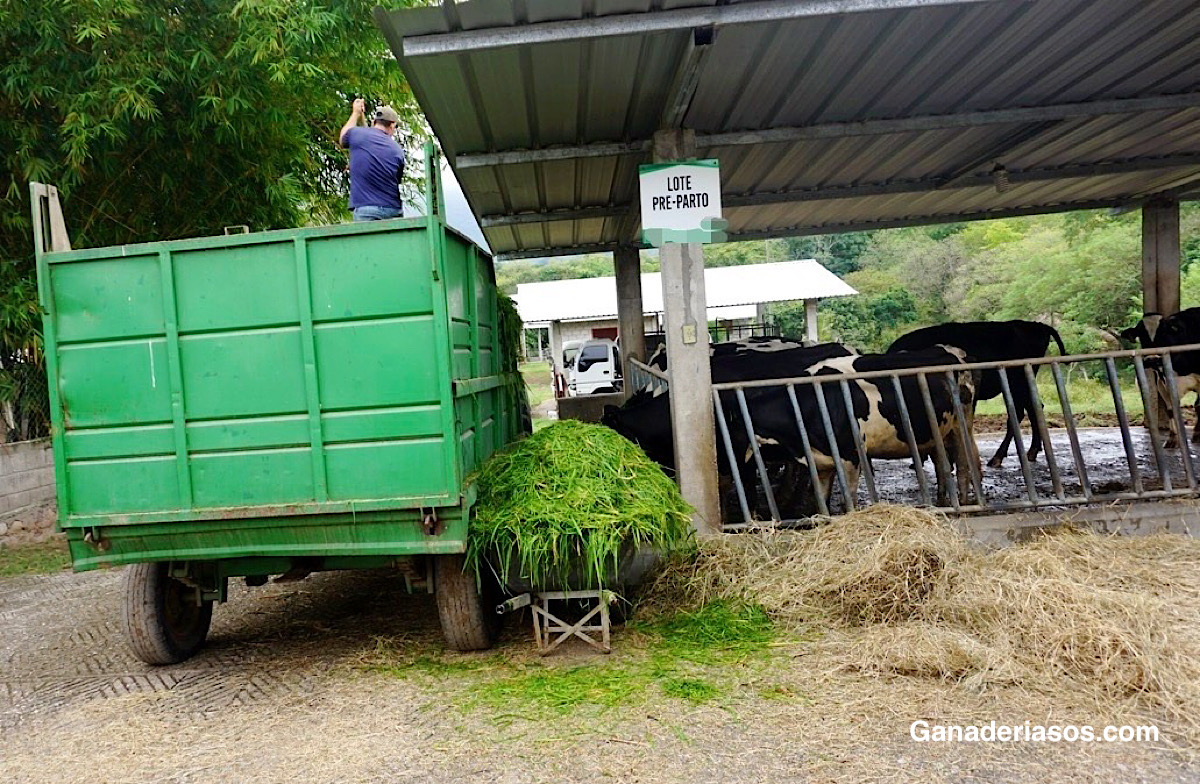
565, 504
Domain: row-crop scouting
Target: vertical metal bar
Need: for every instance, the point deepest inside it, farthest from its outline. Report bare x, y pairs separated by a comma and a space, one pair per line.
859, 443
723, 426
1149, 396
443, 337
939, 444
1177, 413
758, 460
183, 470
1015, 423
45, 285
1130, 454
966, 438
1064, 401
910, 437
819, 389
1038, 419
822, 507
311, 389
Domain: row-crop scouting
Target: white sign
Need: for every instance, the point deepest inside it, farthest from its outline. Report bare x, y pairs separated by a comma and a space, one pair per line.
681, 202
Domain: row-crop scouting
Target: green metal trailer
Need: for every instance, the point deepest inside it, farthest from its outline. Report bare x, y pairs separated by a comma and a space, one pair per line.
273, 403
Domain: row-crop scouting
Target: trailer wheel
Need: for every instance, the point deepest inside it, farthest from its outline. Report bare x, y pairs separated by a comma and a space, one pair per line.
162, 621
469, 622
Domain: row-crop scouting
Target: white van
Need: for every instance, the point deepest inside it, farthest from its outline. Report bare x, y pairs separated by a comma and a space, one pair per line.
597, 368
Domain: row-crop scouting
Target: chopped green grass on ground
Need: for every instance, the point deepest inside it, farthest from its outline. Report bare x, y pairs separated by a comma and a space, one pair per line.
717, 633
701, 657
559, 691
40, 558
695, 690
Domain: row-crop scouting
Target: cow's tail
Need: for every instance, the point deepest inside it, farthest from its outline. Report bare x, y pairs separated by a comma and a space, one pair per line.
1062, 350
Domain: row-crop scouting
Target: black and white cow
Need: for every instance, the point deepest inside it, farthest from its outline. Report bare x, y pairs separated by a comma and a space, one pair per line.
645, 418
877, 411
994, 341
1155, 330
763, 344
875, 407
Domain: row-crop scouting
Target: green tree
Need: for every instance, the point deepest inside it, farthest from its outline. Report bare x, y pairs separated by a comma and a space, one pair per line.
160, 120
839, 253
871, 323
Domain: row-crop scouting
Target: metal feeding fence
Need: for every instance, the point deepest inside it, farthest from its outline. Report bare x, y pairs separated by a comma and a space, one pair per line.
642, 376
1081, 464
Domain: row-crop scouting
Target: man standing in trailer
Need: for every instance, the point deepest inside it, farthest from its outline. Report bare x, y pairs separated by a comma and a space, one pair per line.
376, 163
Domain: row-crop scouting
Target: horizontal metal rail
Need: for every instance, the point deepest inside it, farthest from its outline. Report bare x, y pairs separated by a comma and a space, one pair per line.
642, 376
786, 473
1011, 363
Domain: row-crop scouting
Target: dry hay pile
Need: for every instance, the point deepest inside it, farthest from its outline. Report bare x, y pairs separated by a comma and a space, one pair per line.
903, 593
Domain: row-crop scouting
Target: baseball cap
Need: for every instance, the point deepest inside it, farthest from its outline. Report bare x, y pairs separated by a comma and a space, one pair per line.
387, 114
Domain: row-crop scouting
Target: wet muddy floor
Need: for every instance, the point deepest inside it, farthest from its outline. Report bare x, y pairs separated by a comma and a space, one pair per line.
1100, 466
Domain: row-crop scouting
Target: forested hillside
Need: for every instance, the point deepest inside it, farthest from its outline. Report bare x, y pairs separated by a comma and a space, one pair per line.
1079, 271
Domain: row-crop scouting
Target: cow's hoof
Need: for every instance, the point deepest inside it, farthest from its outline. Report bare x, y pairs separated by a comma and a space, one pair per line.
995, 462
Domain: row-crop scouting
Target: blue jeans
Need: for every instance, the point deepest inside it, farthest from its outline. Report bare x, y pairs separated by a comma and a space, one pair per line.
377, 213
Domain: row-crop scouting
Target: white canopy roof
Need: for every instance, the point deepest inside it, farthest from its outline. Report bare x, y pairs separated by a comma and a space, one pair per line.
595, 298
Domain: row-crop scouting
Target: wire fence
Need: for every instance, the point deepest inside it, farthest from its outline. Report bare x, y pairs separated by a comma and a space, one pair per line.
24, 399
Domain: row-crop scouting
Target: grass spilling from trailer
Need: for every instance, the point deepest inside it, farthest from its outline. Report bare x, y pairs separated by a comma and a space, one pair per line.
900, 593
564, 505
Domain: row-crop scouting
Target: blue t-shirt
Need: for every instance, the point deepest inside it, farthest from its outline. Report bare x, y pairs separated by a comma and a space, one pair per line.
376, 165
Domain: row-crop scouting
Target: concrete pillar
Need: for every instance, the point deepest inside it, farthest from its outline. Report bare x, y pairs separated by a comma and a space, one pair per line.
686, 328
631, 325
556, 341
1160, 257
810, 321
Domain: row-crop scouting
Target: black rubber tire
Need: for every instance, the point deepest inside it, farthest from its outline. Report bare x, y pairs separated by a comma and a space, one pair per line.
162, 621
469, 620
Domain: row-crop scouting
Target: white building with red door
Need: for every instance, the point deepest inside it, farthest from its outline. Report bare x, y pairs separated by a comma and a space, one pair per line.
570, 310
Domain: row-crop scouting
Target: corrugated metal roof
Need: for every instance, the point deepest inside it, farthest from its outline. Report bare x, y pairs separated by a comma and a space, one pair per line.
749, 284
823, 119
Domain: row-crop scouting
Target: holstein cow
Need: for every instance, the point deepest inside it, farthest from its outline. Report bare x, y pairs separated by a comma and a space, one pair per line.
1155, 330
645, 418
994, 341
877, 410
875, 407
764, 344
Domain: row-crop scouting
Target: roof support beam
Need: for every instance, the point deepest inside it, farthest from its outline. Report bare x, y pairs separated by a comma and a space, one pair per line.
930, 220
545, 253
686, 79
842, 228
652, 22
841, 130
524, 218
875, 189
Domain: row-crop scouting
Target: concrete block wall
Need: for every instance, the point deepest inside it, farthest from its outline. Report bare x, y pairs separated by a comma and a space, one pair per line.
26, 475
28, 509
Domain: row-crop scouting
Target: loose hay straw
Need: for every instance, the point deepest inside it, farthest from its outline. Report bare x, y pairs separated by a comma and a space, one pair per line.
904, 593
